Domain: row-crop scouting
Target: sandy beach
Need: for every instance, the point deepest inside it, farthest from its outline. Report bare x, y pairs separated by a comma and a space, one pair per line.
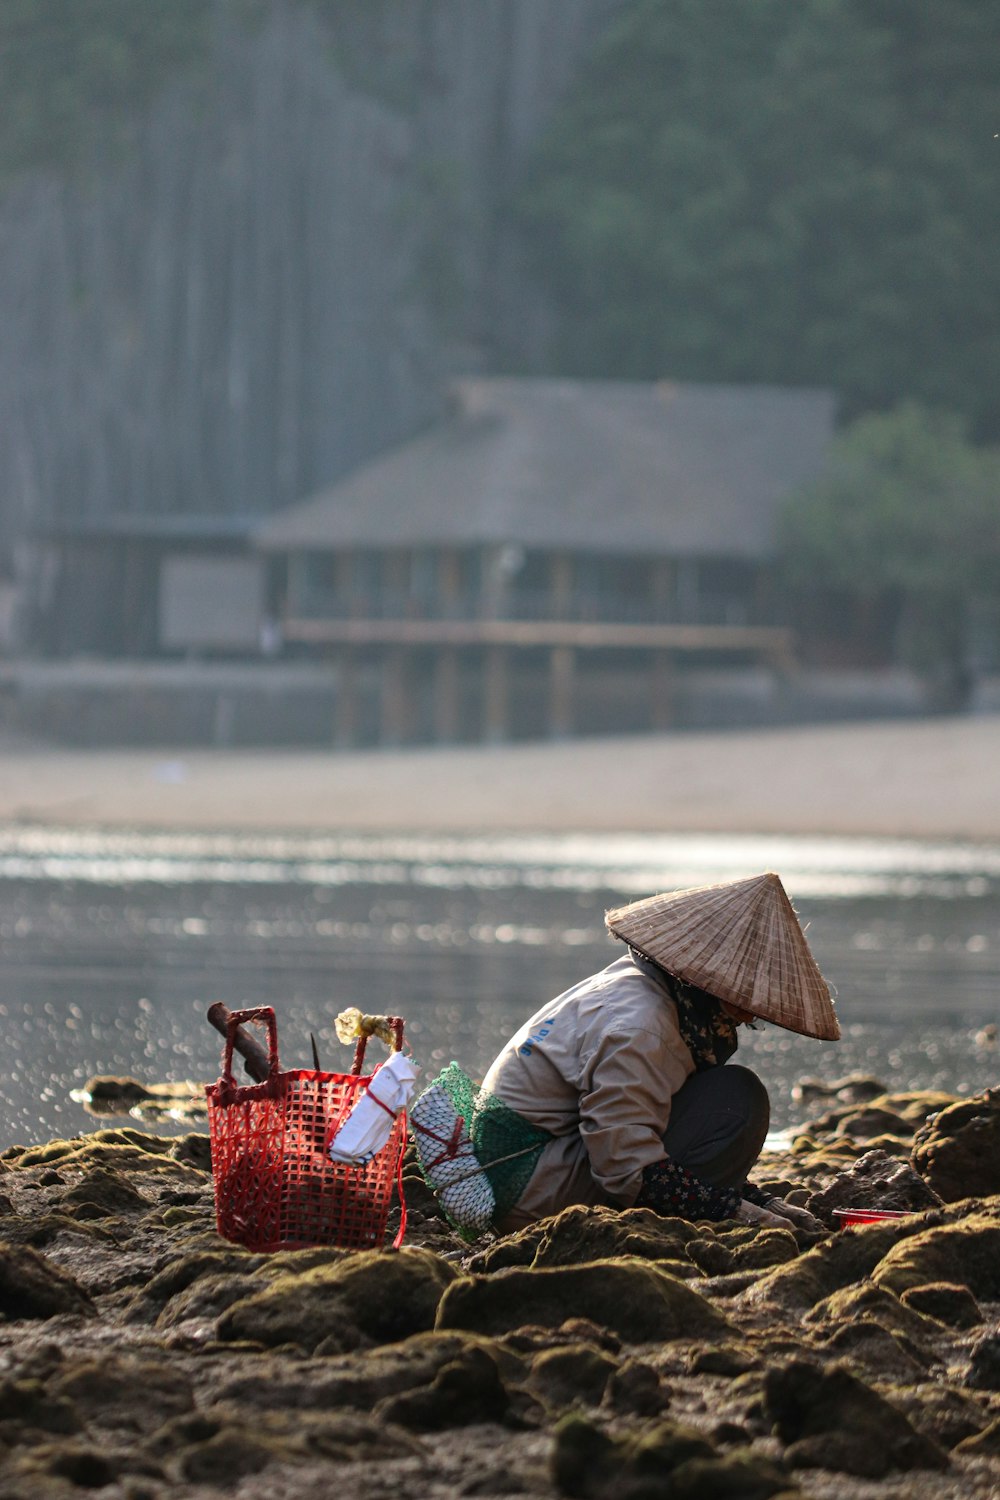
932, 778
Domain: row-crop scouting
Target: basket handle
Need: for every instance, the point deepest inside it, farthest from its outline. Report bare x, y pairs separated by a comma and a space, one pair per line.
235, 1019
396, 1022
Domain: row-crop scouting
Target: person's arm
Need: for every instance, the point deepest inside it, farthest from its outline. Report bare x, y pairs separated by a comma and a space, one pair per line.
624, 1107
673, 1191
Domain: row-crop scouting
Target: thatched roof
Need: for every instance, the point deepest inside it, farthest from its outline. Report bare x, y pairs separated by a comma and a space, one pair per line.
583, 465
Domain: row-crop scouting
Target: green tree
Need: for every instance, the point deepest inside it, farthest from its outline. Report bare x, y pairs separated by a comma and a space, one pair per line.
758, 190
75, 72
908, 509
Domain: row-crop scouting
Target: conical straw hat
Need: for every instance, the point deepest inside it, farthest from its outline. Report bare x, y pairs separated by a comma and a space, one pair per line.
740, 941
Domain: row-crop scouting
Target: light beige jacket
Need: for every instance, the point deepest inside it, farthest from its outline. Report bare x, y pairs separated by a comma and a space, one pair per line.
598, 1068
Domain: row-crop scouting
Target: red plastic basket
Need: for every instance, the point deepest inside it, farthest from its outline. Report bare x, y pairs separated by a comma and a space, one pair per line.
275, 1186
847, 1216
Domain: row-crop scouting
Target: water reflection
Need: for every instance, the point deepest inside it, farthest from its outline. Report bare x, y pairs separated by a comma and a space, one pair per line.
113, 946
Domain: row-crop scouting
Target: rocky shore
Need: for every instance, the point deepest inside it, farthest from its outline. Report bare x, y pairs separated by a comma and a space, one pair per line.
601, 1355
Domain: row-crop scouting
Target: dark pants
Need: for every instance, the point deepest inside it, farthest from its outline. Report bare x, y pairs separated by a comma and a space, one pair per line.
718, 1122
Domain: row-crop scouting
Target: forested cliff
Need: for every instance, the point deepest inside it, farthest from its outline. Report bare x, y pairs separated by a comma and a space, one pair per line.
259, 276
243, 242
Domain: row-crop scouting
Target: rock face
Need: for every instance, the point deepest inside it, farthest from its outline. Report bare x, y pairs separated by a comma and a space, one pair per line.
957, 1152
609, 1356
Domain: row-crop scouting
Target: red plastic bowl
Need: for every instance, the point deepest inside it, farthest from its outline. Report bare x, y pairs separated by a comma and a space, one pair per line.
848, 1216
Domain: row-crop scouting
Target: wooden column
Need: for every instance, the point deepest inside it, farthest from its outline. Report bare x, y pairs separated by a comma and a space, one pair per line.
394, 705
296, 605
343, 583
662, 683
345, 730
446, 684
561, 585
449, 584
495, 696
562, 665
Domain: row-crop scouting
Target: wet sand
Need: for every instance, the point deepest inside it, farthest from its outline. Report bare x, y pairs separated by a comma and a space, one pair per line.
933, 778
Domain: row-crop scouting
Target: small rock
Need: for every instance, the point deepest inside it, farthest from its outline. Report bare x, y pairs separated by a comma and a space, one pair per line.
468, 1389
831, 1420
31, 1287
948, 1303
575, 1375
984, 1363
958, 1150
636, 1387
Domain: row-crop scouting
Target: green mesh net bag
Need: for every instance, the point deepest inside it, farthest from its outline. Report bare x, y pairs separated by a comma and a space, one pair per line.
475, 1152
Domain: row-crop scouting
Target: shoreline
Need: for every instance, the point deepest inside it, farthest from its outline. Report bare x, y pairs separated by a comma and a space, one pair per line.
912, 779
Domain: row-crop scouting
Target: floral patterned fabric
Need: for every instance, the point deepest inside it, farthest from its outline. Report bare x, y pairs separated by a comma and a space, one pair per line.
671, 1190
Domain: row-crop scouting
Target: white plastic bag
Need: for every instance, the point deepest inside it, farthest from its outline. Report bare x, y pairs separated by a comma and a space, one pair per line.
369, 1124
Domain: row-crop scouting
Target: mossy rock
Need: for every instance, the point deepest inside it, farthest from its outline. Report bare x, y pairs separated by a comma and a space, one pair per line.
826, 1268
985, 1444
178, 1275
589, 1463
636, 1387
633, 1298
206, 1298
884, 1355
875, 1304
32, 1287
738, 1475
582, 1234
365, 1377
943, 1412
573, 1375
369, 1297
107, 1191
958, 1151
967, 1252
136, 1149
946, 1302
232, 1453
829, 1419
465, 1390
133, 1392
28, 1406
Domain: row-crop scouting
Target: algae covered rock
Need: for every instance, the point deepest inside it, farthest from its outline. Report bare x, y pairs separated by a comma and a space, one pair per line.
669, 1460
836, 1263
136, 1393
634, 1299
581, 1234
103, 1191
371, 1297
573, 1375
946, 1302
873, 1304
32, 1287
957, 1151
830, 1420
967, 1252
469, 1388
984, 1363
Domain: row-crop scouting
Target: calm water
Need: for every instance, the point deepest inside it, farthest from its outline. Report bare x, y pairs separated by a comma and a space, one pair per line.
113, 946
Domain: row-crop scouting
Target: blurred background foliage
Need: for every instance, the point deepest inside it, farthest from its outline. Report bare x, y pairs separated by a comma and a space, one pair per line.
792, 193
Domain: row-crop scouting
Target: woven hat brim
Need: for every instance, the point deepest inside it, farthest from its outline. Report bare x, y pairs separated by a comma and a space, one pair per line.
742, 942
